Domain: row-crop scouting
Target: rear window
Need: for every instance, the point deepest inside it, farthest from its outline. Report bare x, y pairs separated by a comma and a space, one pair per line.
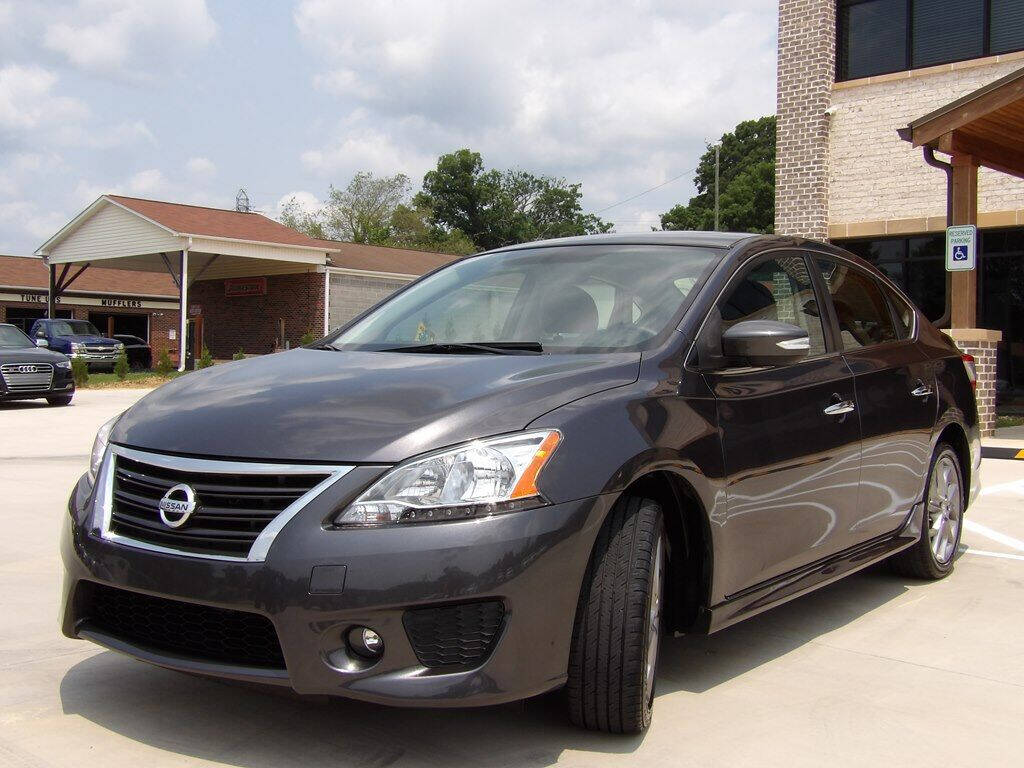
862, 311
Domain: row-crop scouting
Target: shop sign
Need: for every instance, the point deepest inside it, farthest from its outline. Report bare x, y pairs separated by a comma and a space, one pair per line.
245, 286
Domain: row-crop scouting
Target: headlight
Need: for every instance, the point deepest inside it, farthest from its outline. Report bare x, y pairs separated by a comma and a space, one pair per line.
485, 477
77, 346
120, 347
63, 363
99, 447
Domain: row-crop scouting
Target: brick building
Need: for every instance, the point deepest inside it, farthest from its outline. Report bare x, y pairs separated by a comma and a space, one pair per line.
850, 74
245, 282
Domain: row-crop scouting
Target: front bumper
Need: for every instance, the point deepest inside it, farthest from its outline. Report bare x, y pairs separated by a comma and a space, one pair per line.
61, 385
533, 561
96, 359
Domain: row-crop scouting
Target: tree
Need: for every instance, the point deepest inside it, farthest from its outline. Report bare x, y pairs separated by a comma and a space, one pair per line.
746, 183
412, 226
495, 208
295, 216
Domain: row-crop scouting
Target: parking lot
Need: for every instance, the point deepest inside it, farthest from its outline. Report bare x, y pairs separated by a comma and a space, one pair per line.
872, 670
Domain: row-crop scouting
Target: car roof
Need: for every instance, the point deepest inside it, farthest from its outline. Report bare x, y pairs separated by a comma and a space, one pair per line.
672, 237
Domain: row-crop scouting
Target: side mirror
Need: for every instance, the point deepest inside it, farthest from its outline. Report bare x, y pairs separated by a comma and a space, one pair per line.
765, 342
41, 342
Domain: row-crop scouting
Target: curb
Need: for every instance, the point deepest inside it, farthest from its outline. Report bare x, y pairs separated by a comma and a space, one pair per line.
992, 452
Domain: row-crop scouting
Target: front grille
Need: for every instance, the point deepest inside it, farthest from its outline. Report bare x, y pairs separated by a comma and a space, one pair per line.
27, 377
171, 626
454, 635
92, 349
232, 509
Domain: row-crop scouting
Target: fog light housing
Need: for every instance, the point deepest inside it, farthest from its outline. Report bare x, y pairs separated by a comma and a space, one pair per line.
365, 642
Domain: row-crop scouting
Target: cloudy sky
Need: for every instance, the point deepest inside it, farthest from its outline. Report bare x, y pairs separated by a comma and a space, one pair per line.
188, 100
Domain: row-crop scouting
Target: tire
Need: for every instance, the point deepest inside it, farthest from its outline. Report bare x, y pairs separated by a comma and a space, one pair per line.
61, 400
932, 557
614, 651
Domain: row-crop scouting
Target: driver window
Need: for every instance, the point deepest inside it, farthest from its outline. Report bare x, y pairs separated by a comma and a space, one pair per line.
777, 289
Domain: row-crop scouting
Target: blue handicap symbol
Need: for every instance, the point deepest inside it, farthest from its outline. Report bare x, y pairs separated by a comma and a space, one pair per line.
959, 253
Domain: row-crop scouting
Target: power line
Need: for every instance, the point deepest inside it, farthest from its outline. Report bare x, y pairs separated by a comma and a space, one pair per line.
641, 194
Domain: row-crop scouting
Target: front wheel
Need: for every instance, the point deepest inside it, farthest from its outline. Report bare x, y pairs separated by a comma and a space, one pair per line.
614, 654
60, 400
933, 555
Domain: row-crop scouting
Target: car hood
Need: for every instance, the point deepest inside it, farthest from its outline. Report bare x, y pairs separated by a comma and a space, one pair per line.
370, 407
29, 355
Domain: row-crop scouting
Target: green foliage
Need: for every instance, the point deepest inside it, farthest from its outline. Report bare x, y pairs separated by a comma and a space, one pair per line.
205, 358
746, 183
239, 355
163, 364
495, 208
121, 366
295, 216
79, 371
308, 338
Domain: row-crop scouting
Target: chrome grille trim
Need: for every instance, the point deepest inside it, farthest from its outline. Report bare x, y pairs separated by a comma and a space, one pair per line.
104, 497
18, 378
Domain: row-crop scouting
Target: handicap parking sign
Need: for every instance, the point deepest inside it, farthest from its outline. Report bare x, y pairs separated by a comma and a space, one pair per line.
960, 248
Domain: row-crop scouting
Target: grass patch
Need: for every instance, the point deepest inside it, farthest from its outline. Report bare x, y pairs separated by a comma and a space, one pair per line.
1009, 421
134, 380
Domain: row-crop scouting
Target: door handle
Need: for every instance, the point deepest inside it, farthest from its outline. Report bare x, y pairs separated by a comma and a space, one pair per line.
838, 409
922, 390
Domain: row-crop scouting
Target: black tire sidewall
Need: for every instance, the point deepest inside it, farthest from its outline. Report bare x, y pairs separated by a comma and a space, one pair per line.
943, 568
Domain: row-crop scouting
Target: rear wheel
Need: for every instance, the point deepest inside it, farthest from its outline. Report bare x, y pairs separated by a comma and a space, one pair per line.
932, 557
614, 655
61, 400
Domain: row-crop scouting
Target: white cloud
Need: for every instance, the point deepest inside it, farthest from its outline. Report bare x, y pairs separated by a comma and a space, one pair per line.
620, 95
129, 39
27, 100
202, 167
26, 218
306, 200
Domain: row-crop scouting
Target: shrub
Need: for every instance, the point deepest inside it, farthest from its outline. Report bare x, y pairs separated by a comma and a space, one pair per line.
121, 366
205, 359
79, 371
239, 355
308, 338
164, 365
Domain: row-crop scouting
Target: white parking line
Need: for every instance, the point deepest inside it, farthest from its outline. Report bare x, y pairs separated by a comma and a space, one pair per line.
986, 553
1016, 485
988, 533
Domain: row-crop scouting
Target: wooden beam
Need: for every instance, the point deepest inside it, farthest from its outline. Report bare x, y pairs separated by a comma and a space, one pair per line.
970, 109
1001, 157
964, 290
65, 285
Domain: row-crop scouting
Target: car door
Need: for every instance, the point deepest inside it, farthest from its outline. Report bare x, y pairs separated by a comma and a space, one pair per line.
895, 393
790, 439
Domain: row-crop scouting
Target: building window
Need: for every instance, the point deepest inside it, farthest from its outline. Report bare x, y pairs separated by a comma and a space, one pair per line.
875, 37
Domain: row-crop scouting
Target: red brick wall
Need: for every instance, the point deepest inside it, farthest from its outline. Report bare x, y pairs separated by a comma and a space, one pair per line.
251, 323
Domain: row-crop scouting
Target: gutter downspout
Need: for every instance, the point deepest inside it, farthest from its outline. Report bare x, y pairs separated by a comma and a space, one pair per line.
934, 162
183, 306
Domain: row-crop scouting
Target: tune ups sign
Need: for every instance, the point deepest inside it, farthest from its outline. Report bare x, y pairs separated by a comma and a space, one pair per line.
245, 286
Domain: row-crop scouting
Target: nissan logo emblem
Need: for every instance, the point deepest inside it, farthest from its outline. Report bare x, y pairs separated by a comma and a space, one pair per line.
177, 505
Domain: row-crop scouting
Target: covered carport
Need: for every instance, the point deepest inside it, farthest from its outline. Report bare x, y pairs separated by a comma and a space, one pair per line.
217, 258
983, 128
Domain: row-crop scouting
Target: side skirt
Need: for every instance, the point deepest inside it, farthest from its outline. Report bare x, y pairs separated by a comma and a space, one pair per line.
782, 589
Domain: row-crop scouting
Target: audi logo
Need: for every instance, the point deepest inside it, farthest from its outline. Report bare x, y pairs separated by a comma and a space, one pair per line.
26, 369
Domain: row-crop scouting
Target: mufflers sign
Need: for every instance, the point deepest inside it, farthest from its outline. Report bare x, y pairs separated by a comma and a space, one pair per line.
245, 286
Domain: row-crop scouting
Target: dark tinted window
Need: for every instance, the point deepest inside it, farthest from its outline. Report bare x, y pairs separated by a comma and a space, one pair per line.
863, 314
902, 311
880, 36
872, 38
947, 30
1007, 31
778, 289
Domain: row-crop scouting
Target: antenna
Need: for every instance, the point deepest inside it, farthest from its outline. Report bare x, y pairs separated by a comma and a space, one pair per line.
242, 202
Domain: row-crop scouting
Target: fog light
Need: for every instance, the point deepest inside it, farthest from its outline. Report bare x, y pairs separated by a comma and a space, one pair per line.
365, 642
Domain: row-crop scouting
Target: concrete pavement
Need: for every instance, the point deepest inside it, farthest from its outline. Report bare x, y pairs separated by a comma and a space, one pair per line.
872, 670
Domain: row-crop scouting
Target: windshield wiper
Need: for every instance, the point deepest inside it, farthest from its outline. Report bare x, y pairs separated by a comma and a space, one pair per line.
474, 348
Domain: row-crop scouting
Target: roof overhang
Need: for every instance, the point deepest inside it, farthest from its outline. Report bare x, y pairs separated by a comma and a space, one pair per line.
986, 124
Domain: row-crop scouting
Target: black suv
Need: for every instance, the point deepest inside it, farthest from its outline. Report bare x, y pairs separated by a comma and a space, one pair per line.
521, 471
28, 372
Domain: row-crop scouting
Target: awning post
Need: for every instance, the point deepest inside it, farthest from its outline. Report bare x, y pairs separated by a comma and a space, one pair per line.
964, 291
183, 308
51, 293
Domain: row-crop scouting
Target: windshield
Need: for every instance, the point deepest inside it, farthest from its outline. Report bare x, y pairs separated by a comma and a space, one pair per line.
567, 299
12, 337
73, 328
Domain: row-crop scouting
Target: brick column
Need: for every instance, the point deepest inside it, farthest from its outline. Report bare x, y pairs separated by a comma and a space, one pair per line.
806, 72
981, 344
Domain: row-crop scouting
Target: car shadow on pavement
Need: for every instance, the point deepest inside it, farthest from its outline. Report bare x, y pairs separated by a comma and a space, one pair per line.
260, 727
24, 405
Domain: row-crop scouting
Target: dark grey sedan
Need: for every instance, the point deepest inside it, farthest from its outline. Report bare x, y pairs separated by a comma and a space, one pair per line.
523, 471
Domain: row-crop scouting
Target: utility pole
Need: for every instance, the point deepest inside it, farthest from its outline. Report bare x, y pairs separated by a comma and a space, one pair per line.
717, 146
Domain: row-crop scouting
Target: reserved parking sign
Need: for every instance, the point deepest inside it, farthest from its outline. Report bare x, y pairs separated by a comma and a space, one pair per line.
960, 248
